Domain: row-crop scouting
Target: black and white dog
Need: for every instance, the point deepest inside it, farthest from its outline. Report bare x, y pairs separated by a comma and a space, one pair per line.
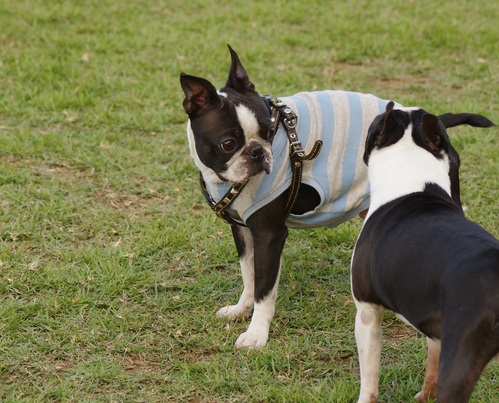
418, 256
235, 139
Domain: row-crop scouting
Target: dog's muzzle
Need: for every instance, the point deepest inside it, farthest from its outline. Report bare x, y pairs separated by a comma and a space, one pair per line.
258, 155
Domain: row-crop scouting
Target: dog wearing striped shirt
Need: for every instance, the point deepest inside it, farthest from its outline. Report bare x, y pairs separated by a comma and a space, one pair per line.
234, 140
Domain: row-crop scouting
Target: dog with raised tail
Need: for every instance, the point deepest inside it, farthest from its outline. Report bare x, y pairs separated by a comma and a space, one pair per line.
418, 256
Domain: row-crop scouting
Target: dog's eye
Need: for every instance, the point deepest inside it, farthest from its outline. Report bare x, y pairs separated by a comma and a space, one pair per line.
228, 145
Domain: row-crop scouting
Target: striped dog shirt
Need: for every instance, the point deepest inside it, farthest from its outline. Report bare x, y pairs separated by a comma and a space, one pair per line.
341, 120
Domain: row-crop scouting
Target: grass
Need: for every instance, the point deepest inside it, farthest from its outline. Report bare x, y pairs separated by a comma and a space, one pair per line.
112, 267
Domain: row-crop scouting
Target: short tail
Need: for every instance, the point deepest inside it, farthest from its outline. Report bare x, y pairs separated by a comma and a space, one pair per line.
472, 119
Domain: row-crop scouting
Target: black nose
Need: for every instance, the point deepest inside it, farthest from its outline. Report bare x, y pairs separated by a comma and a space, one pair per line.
256, 151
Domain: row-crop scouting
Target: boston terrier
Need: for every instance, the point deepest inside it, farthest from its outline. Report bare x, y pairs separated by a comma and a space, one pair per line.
418, 256
263, 170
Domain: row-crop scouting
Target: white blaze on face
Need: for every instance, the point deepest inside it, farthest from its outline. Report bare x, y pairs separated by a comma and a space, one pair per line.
403, 168
239, 168
248, 122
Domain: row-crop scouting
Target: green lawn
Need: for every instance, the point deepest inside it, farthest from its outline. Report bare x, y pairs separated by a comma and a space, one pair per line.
112, 267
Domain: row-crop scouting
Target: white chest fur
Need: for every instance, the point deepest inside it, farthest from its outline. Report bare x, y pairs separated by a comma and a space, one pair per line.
403, 168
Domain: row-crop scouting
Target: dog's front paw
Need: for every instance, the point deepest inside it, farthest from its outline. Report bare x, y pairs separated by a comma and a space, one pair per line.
252, 339
233, 312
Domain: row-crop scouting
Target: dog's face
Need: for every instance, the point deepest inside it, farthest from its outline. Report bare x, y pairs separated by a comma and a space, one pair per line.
230, 130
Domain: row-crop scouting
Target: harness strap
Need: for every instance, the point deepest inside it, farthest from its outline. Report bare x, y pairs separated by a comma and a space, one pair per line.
297, 154
219, 208
279, 112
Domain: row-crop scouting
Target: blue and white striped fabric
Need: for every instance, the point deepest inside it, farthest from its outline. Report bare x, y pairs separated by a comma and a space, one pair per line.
340, 119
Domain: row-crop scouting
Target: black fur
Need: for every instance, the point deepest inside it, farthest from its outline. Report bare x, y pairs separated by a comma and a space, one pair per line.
214, 124
420, 257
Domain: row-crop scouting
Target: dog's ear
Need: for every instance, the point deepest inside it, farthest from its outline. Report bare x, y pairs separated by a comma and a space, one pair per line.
199, 93
379, 131
472, 119
389, 125
393, 127
432, 133
389, 106
238, 78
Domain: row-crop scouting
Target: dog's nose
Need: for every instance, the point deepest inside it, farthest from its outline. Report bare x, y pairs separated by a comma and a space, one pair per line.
256, 151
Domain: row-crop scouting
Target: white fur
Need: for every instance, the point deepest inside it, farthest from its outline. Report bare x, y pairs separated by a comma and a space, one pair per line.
237, 166
257, 334
404, 168
369, 338
249, 123
245, 304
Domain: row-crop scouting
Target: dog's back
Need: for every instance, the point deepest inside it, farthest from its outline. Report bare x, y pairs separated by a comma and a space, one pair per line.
428, 258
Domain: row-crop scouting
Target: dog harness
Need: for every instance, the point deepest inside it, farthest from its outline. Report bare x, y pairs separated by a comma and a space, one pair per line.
337, 119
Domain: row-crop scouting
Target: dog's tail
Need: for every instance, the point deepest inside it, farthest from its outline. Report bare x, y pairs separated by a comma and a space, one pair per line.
472, 119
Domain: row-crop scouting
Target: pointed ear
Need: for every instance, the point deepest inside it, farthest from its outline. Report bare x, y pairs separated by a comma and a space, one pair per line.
431, 132
389, 106
390, 125
378, 131
238, 78
199, 93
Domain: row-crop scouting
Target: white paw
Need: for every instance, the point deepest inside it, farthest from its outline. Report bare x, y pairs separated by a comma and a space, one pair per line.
233, 312
369, 398
252, 339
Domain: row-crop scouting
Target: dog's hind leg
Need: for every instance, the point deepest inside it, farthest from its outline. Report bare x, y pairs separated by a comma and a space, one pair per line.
244, 244
470, 331
429, 389
368, 335
463, 359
